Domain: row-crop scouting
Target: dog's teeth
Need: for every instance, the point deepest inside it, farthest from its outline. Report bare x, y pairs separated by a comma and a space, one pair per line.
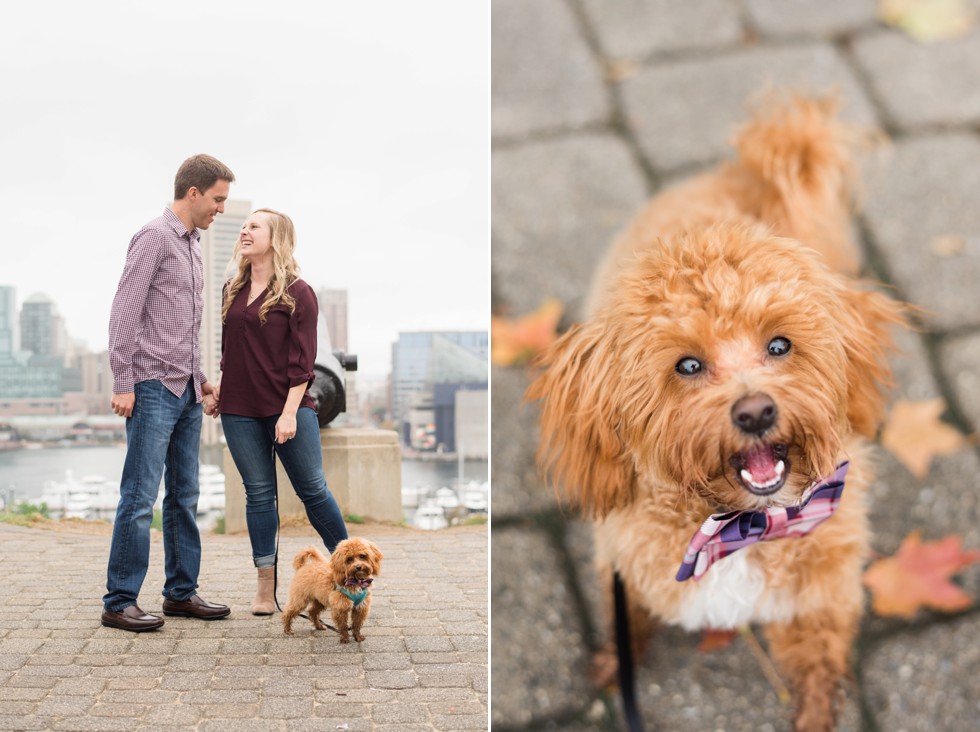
780, 469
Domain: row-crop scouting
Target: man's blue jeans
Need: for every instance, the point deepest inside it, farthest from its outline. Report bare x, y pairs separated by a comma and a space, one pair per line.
252, 444
164, 431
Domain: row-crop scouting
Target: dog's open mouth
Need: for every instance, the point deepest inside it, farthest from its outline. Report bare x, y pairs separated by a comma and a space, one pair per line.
762, 470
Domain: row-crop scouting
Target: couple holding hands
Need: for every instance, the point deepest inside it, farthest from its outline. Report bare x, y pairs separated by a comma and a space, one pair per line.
268, 347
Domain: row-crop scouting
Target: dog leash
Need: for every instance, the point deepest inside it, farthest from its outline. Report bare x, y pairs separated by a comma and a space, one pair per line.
624, 655
275, 567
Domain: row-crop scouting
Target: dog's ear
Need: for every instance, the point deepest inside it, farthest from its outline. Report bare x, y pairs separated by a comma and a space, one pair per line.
580, 448
337, 558
376, 555
865, 330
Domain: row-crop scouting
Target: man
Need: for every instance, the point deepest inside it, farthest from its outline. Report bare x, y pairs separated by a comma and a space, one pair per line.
158, 385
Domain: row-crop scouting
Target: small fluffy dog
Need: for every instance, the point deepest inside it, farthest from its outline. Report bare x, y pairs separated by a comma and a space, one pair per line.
342, 583
730, 362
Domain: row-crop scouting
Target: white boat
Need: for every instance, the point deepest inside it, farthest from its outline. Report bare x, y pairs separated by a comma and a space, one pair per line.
212, 484
83, 498
475, 500
430, 516
446, 498
411, 496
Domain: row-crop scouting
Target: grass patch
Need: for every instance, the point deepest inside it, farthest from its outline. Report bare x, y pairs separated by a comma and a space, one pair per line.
475, 521
27, 514
157, 522
219, 525
354, 519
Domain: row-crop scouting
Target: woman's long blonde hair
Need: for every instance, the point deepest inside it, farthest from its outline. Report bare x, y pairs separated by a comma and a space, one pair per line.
285, 271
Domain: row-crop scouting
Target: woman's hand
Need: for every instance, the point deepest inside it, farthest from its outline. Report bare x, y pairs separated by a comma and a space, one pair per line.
210, 402
286, 427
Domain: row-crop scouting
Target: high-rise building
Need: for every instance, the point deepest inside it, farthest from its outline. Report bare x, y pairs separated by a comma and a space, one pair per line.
8, 312
333, 310
39, 326
421, 362
217, 249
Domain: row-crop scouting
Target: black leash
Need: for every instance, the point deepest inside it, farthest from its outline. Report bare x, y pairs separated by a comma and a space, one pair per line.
624, 654
275, 567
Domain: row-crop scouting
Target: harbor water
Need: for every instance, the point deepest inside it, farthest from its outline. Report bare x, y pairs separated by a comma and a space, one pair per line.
28, 474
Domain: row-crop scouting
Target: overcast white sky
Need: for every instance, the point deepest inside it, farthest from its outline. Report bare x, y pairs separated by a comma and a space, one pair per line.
368, 123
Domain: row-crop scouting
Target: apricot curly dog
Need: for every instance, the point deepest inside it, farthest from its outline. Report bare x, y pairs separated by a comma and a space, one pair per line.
725, 380
342, 583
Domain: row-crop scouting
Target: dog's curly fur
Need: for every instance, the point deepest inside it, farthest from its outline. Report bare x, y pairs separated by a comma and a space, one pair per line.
715, 269
316, 584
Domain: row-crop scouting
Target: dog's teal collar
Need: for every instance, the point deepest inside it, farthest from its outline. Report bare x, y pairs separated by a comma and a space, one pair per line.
356, 597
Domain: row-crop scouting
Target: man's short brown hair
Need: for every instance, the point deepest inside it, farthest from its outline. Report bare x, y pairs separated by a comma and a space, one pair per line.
201, 172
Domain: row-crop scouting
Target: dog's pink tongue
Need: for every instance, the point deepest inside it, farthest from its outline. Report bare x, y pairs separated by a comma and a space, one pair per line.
761, 464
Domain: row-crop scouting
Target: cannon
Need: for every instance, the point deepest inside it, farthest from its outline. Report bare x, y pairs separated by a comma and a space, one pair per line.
329, 387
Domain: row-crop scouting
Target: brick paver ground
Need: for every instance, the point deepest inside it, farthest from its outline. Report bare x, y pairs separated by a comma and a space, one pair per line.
421, 667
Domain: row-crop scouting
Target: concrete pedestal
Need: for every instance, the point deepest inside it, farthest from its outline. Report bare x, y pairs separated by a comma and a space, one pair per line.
362, 468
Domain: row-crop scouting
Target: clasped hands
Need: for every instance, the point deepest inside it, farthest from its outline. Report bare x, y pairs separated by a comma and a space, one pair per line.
210, 402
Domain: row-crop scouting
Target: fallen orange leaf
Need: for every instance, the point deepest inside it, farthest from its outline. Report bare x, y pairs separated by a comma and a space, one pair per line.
915, 434
516, 341
716, 640
918, 575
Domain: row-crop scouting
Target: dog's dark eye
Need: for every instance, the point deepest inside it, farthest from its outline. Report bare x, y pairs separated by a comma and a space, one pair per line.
350, 559
779, 346
688, 366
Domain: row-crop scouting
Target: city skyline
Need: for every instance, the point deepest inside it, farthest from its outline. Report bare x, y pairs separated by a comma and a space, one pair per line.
374, 141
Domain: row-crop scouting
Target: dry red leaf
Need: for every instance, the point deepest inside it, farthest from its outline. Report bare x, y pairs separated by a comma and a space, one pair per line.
518, 340
716, 640
915, 434
917, 576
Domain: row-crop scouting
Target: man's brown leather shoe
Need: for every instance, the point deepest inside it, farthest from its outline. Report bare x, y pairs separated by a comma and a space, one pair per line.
131, 618
195, 606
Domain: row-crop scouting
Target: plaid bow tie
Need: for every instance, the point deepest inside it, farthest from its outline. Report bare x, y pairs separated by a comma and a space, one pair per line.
725, 533
363, 584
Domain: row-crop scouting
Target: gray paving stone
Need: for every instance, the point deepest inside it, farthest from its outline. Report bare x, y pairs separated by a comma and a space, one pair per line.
531, 605
928, 680
96, 724
683, 112
171, 715
923, 84
556, 206
244, 674
802, 17
959, 361
911, 368
930, 192
392, 679
543, 75
637, 28
225, 711
404, 713
682, 689
18, 722
518, 489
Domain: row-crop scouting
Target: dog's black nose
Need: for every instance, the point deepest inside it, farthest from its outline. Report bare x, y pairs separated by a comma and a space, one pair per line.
754, 414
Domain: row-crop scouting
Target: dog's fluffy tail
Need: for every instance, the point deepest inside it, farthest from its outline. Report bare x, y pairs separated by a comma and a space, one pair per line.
803, 157
311, 553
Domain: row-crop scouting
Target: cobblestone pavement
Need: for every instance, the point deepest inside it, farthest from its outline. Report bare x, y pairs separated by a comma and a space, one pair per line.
421, 667
596, 105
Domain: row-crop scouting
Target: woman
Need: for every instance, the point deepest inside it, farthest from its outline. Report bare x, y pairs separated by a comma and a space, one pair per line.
268, 345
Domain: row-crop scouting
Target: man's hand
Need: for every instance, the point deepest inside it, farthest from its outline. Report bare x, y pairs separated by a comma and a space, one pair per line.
122, 404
